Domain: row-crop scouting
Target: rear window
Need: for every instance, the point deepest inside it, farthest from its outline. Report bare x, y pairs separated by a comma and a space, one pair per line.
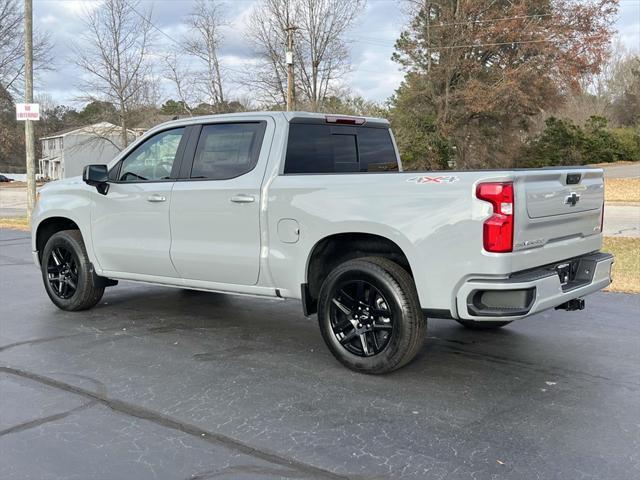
339, 148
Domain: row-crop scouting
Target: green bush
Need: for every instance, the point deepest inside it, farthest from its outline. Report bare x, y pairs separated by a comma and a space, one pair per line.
628, 142
564, 143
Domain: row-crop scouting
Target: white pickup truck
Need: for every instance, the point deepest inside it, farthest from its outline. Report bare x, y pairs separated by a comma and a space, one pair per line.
316, 207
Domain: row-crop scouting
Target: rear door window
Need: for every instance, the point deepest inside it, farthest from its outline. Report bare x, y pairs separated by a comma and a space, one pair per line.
314, 148
227, 150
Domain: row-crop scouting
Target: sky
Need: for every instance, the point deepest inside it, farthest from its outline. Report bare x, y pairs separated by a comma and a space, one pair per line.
373, 75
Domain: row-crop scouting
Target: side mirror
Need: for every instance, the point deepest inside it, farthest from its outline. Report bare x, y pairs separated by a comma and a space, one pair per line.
97, 176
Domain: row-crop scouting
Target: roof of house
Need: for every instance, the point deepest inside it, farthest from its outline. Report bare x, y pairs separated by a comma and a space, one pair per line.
152, 120
59, 133
101, 128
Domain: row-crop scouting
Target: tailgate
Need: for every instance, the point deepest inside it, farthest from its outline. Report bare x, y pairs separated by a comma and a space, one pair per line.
563, 192
557, 205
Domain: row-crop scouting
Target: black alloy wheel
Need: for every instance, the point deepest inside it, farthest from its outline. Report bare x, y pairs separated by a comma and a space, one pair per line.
62, 272
370, 316
67, 272
360, 318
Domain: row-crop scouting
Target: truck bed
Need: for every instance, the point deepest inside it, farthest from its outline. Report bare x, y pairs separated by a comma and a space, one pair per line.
436, 219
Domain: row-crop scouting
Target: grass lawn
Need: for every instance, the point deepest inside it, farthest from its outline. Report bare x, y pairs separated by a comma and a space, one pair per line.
625, 190
17, 223
626, 270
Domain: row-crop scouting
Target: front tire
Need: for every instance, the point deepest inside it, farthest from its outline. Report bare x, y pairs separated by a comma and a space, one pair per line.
370, 316
67, 272
473, 325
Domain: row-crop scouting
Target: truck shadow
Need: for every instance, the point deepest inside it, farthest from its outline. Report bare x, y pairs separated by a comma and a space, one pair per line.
165, 310
221, 329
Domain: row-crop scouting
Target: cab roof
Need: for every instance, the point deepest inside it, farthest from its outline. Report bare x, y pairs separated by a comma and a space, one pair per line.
291, 117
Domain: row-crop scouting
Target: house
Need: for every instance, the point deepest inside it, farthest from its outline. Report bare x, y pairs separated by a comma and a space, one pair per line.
66, 153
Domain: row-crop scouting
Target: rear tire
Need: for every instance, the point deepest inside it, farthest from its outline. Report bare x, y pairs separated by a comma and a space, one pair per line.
474, 325
67, 272
370, 316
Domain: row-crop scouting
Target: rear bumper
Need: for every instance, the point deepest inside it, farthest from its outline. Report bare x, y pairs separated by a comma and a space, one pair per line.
533, 291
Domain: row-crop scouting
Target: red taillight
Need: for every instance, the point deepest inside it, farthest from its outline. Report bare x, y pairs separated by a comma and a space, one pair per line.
498, 229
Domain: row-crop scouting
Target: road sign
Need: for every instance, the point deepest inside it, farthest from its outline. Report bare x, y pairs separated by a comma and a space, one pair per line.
27, 111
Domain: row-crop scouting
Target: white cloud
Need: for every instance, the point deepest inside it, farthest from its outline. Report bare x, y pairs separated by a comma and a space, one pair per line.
48, 20
628, 25
79, 7
373, 75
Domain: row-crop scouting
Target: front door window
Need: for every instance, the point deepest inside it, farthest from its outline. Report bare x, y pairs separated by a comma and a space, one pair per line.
152, 160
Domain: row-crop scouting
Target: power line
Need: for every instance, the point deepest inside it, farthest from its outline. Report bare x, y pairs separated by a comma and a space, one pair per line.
474, 46
514, 42
490, 20
223, 67
447, 47
376, 41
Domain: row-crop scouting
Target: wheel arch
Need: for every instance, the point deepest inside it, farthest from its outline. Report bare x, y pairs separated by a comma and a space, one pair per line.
331, 250
50, 226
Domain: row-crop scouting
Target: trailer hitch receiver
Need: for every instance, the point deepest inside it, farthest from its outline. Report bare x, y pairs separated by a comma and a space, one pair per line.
572, 305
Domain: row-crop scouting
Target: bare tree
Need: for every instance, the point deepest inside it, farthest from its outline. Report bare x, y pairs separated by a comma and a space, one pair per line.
12, 47
203, 44
320, 51
624, 89
181, 77
605, 93
268, 26
114, 56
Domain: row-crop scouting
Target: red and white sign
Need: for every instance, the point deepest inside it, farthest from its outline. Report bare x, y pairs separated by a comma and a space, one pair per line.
27, 111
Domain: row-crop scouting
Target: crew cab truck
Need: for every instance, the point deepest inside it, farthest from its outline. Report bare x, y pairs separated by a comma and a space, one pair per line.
317, 207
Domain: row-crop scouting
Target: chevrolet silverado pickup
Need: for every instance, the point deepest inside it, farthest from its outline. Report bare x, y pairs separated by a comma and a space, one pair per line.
317, 208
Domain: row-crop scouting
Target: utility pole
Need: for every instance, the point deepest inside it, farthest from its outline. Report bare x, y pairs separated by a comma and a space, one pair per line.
290, 78
28, 98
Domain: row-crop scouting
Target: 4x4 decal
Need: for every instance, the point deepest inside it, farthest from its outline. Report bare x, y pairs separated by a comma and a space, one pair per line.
439, 179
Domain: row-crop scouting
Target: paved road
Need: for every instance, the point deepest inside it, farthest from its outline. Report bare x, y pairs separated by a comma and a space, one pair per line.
631, 170
160, 383
622, 221
13, 201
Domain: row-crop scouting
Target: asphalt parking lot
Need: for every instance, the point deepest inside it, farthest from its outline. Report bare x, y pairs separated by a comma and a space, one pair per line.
162, 383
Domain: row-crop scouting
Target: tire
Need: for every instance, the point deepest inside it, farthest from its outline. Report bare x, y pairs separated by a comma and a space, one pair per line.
65, 256
393, 328
474, 325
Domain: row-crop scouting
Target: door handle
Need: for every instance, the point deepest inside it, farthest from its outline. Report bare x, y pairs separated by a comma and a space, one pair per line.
242, 198
154, 198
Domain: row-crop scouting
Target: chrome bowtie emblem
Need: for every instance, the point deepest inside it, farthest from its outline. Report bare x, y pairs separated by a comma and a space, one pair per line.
572, 199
